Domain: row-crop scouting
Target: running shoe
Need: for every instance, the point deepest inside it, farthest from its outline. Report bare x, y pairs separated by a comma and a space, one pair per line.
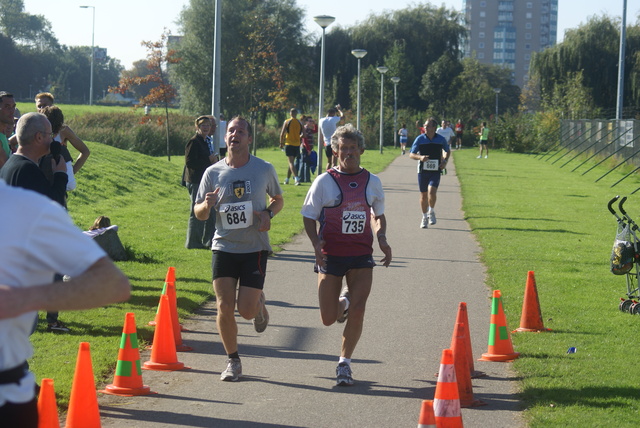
286, 181
432, 217
59, 327
425, 222
261, 321
343, 375
297, 181
233, 372
345, 314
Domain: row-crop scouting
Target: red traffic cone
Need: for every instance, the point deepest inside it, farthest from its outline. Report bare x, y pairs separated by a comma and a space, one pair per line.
163, 352
47, 407
460, 357
446, 403
128, 378
427, 418
500, 346
463, 318
83, 402
531, 319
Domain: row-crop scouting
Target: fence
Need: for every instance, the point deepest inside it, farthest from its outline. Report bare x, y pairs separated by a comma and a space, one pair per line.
600, 139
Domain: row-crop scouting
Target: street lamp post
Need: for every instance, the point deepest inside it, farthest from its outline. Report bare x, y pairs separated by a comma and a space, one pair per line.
358, 53
382, 69
497, 91
93, 31
395, 81
323, 21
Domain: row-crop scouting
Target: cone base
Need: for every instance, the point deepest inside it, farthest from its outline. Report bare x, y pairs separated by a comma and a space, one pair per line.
112, 389
183, 348
153, 324
166, 367
535, 330
477, 374
472, 403
499, 357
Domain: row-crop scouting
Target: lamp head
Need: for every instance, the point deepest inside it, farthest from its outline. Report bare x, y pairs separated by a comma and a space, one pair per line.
324, 20
359, 53
395, 80
382, 69
497, 90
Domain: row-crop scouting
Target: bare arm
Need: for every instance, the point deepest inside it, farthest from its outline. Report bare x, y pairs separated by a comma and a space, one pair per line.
203, 209
3, 158
381, 234
68, 135
276, 203
283, 132
311, 227
102, 283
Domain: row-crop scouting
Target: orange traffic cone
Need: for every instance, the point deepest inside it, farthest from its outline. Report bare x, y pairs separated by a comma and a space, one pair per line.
164, 291
500, 346
47, 408
170, 277
446, 403
83, 402
128, 378
163, 352
463, 318
531, 319
173, 306
460, 357
427, 418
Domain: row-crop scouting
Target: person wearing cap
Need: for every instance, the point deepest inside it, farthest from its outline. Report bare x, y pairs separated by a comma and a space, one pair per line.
198, 156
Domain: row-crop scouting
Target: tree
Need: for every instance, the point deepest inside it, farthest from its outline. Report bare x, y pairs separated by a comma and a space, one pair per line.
26, 29
164, 93
280, 50
140, 68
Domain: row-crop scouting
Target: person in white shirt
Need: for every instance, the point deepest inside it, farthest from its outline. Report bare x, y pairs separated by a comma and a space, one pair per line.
39, 242
328, 125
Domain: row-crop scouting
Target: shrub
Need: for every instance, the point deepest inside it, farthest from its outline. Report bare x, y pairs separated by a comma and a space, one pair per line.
142, 134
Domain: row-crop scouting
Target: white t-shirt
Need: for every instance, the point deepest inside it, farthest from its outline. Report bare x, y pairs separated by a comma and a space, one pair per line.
447, 133
35, 244
324, 192
328, 125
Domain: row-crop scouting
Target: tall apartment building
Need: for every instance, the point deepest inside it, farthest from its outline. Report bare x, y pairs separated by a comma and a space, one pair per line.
507, 32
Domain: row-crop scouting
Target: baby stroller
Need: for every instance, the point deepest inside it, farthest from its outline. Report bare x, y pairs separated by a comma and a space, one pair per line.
625, 256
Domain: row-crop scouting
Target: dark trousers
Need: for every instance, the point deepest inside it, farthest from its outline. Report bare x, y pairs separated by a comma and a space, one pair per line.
199, 233
23, 415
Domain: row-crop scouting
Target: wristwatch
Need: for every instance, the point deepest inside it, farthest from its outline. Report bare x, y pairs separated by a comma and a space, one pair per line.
270, 212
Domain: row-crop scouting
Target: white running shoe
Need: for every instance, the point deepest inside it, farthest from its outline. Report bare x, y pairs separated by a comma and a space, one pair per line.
233, 372
425, 222
344, 377
432, 217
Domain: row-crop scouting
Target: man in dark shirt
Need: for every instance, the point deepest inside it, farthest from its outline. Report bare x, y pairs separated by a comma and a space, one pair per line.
21, 170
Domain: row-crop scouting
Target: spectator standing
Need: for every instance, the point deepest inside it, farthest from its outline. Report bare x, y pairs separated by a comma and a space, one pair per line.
236, 190
428, 149
37, 243
459, 132
309, 130
66, 134
328, 125
290, 138
348, 204
446, 131
197, 158
7, 111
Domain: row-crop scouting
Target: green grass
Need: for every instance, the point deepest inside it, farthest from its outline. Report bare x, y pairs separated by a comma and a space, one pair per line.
143, 196
531, 215
72, 110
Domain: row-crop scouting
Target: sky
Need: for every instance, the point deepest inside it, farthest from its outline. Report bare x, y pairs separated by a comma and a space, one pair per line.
120, 25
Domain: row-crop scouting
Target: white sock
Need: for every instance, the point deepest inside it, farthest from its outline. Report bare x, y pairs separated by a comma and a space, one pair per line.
425, 215
344, 360
346, 301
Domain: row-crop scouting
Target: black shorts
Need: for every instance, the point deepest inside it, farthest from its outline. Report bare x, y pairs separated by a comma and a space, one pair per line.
249, 268
328, 151
339, 266
292, 150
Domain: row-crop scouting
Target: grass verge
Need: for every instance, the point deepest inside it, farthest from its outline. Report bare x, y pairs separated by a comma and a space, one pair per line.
531, 215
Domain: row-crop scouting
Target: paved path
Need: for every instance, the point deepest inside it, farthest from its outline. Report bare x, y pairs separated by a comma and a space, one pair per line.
290, 368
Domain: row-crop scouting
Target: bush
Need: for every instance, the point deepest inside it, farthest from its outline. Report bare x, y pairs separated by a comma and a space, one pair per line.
142, 134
